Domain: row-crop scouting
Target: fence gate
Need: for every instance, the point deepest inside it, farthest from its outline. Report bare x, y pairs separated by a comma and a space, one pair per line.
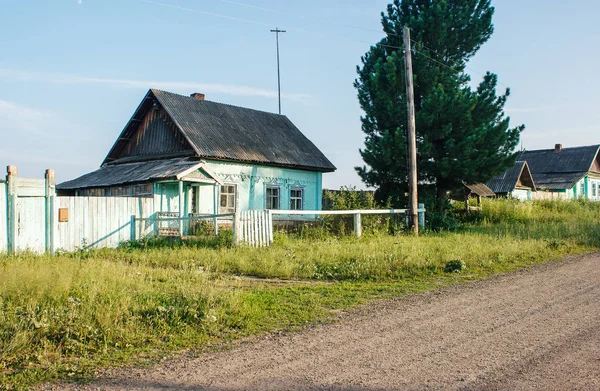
254, 227
30, 212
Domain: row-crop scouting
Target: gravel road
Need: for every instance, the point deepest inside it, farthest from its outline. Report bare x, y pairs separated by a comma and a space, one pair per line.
534, 329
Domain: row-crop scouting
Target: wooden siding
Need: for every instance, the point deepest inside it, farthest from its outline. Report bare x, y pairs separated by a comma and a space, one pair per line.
3, 218
156, 135
100, 221
251, 182
596, 165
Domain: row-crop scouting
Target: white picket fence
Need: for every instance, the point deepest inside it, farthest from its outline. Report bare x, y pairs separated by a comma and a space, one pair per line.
254, 227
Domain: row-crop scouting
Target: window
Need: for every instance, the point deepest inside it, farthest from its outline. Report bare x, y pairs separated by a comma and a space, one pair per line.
144, 190
272, 197
227, 199
194, 197
583, 189
296, 196
594, 189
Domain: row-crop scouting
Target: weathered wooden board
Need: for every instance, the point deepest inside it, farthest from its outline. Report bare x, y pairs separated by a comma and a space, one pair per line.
3, 219
30, 224
96, 222
27, 187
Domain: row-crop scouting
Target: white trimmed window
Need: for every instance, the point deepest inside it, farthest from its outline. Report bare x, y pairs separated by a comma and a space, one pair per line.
296, 199
227, 204
583, 189
272, 197
594, 189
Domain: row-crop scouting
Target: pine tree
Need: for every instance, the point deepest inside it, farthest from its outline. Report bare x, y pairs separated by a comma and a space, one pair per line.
462, 134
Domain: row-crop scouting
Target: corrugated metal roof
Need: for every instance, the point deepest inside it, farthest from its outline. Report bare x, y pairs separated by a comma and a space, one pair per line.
559, 181
480, 189
225, 132
506, 183
140, 172
554, 170
571, 160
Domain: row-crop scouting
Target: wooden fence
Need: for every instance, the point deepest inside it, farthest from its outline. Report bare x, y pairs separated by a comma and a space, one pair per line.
254, 227
357, 214
32, 218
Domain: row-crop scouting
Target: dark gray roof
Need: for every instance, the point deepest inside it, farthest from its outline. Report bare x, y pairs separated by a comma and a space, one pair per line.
140, 172
225, 132
506, 182
480, 189
546, 161
560, 170
558, 181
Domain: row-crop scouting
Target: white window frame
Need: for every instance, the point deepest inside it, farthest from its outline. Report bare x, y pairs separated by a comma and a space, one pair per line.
294, 200
268, 198
228, 208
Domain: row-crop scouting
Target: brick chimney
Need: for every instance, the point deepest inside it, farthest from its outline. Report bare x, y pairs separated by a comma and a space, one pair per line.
197, 95
557, 147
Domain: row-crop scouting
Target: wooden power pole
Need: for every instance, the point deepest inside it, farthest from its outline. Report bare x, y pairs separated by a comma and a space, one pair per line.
413, 218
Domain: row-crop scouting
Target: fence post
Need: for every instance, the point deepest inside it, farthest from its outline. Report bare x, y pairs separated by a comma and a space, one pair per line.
132, 229
181, 207
236, 228
270, 225
216, 208
422, 215
357, 225
50, 194
11, 211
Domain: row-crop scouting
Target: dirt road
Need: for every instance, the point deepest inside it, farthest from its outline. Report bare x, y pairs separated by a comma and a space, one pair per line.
535, 329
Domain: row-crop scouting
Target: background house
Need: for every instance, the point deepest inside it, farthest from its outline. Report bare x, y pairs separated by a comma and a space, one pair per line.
566, 173
515, 182
197, 156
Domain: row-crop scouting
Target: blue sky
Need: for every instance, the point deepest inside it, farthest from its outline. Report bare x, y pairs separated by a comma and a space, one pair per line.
72, 72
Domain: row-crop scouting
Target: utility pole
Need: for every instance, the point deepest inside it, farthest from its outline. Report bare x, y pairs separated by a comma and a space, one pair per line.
413, 217
277, 31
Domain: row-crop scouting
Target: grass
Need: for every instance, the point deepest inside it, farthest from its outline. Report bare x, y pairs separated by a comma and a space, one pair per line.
62, 317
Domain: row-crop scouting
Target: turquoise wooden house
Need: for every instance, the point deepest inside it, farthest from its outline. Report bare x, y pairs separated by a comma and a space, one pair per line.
558, 173
194, 156
566, 173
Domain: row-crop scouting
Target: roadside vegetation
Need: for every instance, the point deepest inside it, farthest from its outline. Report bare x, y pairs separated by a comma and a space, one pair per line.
64, 316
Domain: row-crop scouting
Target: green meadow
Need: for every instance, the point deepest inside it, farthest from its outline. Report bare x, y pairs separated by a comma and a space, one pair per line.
63, 316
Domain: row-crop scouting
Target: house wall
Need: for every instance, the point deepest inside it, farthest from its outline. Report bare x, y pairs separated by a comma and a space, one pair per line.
575, 192
548, 195
251, 182
521, 194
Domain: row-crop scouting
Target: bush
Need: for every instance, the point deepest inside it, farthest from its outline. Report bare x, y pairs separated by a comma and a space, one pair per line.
456, 266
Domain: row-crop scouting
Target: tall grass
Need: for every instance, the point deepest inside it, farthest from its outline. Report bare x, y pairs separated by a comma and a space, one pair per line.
62, 316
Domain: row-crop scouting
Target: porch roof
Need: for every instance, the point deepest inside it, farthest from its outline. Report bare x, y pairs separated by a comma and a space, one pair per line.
142, 172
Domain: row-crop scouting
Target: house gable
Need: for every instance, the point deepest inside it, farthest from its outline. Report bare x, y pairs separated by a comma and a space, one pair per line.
596, 164
156, 135
525, 179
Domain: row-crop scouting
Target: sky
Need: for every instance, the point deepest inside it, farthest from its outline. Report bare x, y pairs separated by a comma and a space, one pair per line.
72, 72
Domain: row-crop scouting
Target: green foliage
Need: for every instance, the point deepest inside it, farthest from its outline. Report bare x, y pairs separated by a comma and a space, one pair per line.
348, 198
462, 133
455, 266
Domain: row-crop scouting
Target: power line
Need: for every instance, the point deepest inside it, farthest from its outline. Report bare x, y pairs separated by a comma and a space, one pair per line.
299, 16
205, 12
313, 32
